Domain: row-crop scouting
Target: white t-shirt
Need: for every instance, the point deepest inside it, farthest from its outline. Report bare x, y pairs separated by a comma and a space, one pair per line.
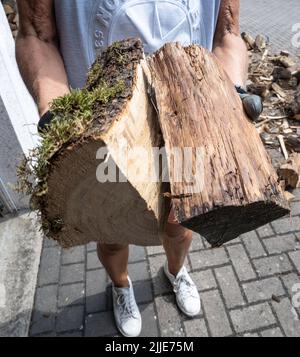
86, 27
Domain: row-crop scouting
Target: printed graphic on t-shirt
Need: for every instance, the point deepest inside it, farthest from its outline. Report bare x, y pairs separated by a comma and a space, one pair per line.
154, 21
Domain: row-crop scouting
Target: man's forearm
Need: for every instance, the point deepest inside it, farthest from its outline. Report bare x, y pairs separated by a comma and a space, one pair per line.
42, 70
233, 55
39, 60
229, 47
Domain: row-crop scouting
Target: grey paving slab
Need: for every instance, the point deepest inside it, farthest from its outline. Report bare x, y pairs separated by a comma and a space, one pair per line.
281, 244
257, 17
150, 322
273, 332
143, 291
70, 318
253, 245
288, 317
272, 265
72, 294
252, 317
49, 266
160, 284
208, 258
139, 271
100, 324
137, 254
42, 324
73, 255
46, 300
93, 261
229, 286
286, 225
265, 231
196, 328
20, 249
96, 291
295, 256
168, 317
204, 279
215, 312
263, 289
241, 262
72, 273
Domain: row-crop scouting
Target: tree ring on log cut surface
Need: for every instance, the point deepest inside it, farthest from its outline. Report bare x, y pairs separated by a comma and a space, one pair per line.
110, 212
80, 209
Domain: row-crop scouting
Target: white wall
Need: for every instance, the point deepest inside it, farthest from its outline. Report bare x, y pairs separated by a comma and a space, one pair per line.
18, 116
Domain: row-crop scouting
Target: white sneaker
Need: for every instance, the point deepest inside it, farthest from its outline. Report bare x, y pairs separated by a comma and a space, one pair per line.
187, 296
127, 315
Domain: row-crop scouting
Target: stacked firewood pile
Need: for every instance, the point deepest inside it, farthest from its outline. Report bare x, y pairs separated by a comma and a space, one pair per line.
12, 16
276, 78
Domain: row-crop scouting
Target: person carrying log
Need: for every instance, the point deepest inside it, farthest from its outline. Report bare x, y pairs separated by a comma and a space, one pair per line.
57, 43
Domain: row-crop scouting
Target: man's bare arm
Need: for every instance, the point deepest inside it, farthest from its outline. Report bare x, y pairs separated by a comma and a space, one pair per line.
38, 57
229, 47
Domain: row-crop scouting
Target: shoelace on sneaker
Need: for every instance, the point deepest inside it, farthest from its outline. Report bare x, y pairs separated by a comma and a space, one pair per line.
126, 304
182, 283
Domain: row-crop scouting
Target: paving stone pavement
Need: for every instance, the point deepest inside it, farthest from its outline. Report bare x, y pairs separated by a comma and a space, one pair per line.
248, 287
276, 19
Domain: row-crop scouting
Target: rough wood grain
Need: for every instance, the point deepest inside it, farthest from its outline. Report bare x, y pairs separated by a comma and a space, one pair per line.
235, 189
290, 171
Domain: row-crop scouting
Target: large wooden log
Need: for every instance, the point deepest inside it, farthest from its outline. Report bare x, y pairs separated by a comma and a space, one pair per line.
79, 206
222, 183
232, 187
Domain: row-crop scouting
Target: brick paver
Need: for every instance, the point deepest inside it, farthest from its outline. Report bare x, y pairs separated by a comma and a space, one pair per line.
215, 312
229, 286
196, 328
263, 289
246, 286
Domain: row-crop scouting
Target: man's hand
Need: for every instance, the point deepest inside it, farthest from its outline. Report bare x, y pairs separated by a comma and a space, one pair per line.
231, 51
38, 57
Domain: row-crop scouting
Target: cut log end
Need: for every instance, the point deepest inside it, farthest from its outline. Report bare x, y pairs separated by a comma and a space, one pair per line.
81, 209
225, 224
87, 199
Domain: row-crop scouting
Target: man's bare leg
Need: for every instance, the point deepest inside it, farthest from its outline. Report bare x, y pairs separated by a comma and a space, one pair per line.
177, 241
114, 258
